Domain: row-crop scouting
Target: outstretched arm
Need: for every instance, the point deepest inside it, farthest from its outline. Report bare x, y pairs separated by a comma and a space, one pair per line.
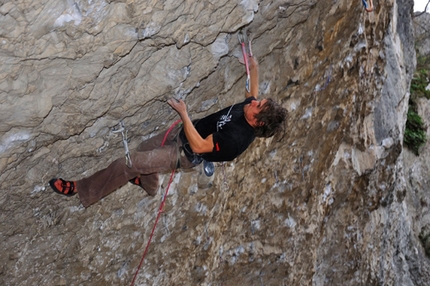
197, 143
253, 71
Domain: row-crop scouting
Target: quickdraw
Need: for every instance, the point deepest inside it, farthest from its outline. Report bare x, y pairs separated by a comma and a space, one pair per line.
121, 129
242, 39
367, 7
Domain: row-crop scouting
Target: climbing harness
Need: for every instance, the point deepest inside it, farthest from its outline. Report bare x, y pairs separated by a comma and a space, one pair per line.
366, 5
121, 129
160, 209
242, 39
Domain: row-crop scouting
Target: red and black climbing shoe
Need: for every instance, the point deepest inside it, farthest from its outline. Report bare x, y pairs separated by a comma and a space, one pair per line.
135, 181
67, 188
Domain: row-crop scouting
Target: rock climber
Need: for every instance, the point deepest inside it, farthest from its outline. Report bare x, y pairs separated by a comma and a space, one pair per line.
221, 136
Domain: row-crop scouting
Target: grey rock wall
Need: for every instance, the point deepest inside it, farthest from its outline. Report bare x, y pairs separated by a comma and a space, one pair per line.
422, 32
416, 168
326, 205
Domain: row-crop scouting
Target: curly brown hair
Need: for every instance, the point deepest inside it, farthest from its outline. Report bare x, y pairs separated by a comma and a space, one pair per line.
270, 120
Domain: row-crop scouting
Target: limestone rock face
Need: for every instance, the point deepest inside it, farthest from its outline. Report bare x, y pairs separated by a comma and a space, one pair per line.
329, 204
422, 33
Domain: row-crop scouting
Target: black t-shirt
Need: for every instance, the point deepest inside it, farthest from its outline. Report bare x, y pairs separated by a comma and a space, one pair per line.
231, 133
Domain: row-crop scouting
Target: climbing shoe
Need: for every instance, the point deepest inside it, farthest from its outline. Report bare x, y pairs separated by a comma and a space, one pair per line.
135, 181
63, 187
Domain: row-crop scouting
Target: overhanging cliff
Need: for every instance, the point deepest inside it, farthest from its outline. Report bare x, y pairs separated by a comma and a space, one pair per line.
325, 206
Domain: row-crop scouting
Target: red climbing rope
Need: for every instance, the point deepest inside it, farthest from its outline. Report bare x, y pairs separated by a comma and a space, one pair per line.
242, 38
160, 209
169, 130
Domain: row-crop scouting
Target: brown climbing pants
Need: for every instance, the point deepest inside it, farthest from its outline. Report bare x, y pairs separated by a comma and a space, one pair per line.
148, 160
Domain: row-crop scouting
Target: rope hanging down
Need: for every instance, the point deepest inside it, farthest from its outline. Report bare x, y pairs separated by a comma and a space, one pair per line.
246, 54
160, 209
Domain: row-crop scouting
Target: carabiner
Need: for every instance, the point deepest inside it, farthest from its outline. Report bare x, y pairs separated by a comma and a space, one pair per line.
121, 129
241, 37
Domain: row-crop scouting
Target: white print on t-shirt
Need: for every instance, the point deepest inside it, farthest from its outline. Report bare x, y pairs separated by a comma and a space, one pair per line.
224, 119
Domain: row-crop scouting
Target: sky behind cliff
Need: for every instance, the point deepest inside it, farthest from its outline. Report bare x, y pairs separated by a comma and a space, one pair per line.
419, 5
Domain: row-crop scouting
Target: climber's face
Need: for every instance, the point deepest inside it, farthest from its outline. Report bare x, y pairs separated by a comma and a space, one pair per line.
251, 109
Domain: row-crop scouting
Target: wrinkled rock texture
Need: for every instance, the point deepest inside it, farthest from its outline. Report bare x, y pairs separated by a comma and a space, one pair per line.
332, 203
422, 33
